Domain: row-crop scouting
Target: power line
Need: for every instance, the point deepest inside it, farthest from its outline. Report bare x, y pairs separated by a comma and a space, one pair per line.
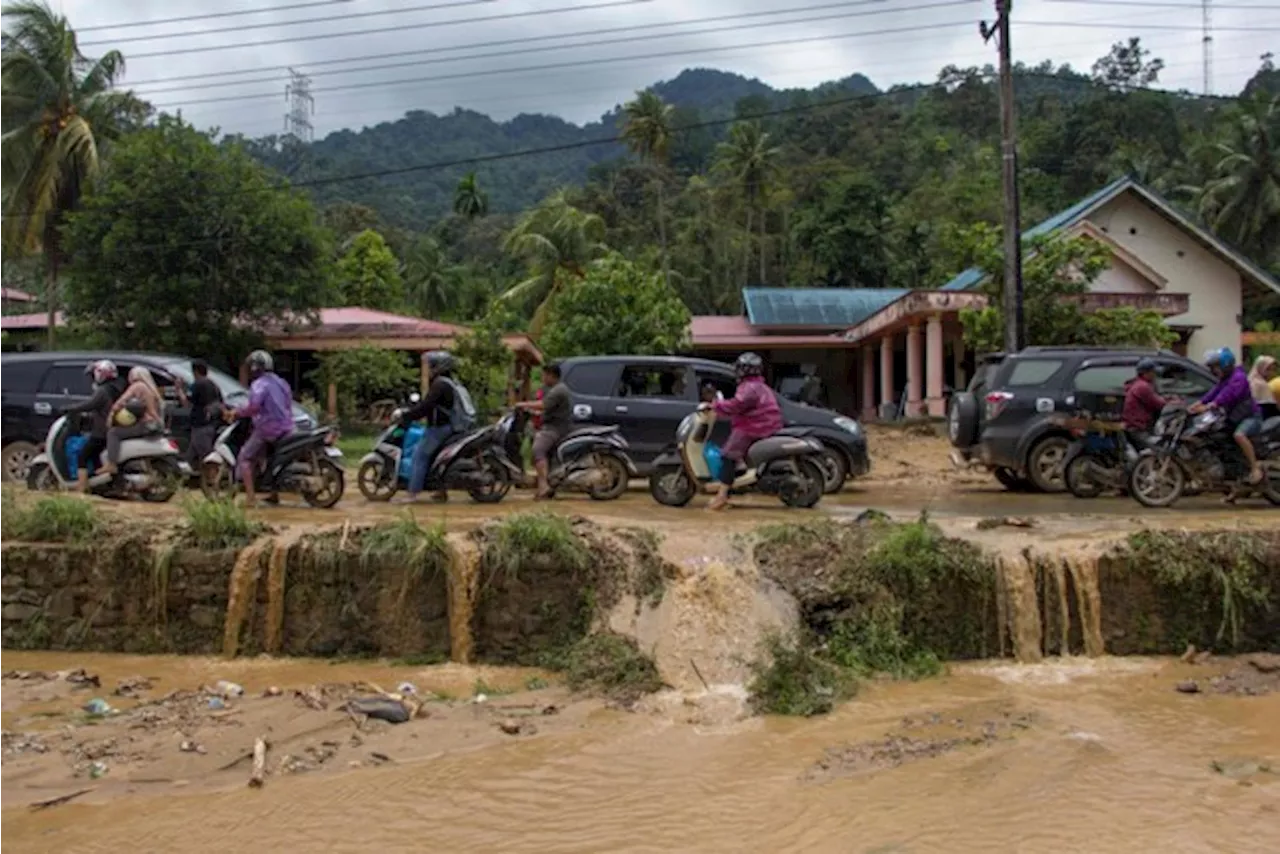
1154, 4
555, 47
238, 28
208, 15
586, 62
1111, 25
394, 29
514, 41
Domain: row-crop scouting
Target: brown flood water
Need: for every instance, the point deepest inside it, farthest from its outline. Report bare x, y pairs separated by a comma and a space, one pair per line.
1107, 758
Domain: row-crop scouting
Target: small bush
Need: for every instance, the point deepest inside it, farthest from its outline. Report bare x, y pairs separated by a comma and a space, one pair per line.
792, 678
611, 665
408, 540
59, 519
220, 524
541, 537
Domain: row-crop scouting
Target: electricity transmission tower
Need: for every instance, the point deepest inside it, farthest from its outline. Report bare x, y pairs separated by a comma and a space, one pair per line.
302, 106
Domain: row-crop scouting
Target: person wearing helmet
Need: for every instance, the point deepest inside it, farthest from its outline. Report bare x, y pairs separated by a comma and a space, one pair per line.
444, 396
753, 414
555, 407
1142, 404
107, 388
1233, 396
271, 408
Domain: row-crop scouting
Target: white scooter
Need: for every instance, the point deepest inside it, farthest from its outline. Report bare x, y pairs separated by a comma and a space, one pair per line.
150, 467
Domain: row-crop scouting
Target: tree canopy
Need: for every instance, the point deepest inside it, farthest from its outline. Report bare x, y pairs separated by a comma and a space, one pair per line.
369, 274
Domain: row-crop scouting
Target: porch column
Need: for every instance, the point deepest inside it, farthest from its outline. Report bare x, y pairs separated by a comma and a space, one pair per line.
867, 388
424, 380
914, 402
933, 366
886, 372
959, 380
332, 403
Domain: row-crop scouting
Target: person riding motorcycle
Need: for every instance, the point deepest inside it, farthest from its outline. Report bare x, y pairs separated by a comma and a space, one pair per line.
271, 408
1233, 397
1142, 403
447, 409
107, 388
753, 413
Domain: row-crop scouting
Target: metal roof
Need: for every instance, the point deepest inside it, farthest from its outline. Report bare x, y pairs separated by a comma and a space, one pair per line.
834, 308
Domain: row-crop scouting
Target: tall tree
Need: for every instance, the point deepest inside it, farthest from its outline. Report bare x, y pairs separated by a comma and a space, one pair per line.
427, 275
751, 163
469, 201
557, 241
647, 132
369, 275
1127, 66
59, 109
1241, 202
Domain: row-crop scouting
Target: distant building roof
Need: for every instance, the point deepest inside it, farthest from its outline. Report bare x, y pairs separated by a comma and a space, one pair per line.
825, 308
973, 276
351, 321
39, 320
15, 295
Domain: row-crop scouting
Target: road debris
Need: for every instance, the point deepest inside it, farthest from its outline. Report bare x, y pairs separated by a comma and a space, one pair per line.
259, 774
61, 799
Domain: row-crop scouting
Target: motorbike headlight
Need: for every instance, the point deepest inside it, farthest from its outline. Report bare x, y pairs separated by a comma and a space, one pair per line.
848, 425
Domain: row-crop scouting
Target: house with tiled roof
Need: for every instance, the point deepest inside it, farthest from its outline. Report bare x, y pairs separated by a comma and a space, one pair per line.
870, 346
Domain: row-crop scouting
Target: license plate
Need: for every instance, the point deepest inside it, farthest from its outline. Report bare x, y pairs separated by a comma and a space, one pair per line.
333, 453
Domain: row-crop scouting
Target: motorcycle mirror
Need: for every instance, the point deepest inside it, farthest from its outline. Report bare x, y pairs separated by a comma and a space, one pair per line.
415, 397
720, 396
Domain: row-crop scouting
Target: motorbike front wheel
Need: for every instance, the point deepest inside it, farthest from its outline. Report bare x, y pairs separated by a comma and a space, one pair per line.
1157, 481
804, 489
671, 486
1079, 479
377, 480
217, 482
41, 477
332, 484
497, 487
616, 478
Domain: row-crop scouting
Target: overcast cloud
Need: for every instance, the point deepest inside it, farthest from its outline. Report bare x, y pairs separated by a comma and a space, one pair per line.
923, 36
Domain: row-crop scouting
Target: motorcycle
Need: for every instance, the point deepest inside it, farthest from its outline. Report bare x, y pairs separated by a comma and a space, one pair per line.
465, 461
1099, 457
304, 462
1199, 451
150, 466
785, 464
592, 459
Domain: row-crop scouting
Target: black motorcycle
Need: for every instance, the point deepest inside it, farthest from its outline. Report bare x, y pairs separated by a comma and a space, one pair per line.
468, 461
592, 458
304, 462
1199, 451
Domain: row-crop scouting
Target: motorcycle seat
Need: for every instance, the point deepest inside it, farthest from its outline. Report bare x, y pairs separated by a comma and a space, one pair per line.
795, 431
772, 447
591, 430
292, 442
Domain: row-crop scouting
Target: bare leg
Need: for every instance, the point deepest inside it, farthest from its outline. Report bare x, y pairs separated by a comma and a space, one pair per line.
1246, 448
250, 498
721, 500
541, 467
82, 479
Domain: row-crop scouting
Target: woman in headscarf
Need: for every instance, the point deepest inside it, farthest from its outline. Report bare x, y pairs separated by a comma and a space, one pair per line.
144, 405
1261, 380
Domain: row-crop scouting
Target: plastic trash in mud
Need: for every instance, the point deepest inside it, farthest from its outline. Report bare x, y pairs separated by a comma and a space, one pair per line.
97, 769
191, 747
272, 691
381, 708
97, 706
408, 689
480, 698
228, 689
216, 704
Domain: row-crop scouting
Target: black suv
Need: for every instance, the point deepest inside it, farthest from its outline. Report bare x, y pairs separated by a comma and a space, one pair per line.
36, 387
648, 397
1003, 420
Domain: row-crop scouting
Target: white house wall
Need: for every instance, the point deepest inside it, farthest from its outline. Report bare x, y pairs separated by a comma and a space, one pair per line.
1213, 286
1120, 278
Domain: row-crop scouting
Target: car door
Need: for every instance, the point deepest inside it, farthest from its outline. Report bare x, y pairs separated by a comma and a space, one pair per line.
650, 401
64, 384
18, 394
1181, 380
591, 385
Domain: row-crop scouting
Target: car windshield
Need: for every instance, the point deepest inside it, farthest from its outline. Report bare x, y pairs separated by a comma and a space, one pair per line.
230, 388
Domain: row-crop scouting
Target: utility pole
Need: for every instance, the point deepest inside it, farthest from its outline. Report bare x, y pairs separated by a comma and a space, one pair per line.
1015, 334
1206, 39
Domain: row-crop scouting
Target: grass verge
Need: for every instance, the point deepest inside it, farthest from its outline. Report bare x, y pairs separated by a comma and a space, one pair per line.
220, 524
53, 519
611, 665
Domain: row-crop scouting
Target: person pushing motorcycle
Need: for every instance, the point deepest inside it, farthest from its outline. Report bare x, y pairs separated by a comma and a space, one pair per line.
1233, 396
271, 408
753, 413
556, 410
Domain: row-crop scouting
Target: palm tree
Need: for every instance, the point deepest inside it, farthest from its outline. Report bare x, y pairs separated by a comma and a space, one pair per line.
647, 133
469, 201
749, 160
1241, 202
428, 278
556, 240
58, 109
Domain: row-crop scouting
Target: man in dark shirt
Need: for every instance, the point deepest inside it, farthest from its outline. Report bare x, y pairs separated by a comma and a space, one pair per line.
556, 408
107, 388
436, 409
206, 404
1142, 404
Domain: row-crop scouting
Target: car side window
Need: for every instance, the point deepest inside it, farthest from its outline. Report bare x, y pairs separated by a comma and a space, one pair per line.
1032, 372
721, 383
653, 381
67, 380
593, 378
1180, 381
1103, 379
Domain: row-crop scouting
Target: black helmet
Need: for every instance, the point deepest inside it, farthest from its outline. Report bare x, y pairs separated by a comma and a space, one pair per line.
440, 362
749, 365
1145, 366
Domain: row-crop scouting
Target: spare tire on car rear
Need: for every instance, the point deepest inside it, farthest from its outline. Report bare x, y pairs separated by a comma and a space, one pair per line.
962, 420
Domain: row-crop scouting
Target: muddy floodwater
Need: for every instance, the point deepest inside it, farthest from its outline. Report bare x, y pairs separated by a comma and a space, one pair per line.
1073, 755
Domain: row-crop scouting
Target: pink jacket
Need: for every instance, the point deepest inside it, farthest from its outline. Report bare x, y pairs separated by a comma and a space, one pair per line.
753, 410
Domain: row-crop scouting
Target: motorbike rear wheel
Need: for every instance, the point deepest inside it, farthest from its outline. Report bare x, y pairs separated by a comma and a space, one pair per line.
376, 483
671, 486
40, 477
804, 490
1270, 486
168, 478
333, 482
1157, 481
1079, 480
616, 478
497, 488
217, 482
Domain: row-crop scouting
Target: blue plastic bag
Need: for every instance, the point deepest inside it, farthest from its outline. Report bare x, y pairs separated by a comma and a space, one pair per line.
711, 453
75, 444
412, 436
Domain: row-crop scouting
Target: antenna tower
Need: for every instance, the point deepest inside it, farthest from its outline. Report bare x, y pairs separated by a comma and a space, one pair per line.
1206, 30
302, 106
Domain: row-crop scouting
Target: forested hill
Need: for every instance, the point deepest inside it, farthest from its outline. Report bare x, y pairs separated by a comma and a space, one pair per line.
416, 199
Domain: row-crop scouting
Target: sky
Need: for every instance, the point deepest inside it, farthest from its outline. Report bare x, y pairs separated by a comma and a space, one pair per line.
579, 58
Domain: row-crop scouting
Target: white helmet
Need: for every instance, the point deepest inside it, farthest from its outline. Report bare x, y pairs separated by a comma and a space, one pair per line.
102, 370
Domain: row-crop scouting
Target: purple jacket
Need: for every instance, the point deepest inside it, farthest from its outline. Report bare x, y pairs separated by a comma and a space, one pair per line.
270, 406
1231, 392
753, 410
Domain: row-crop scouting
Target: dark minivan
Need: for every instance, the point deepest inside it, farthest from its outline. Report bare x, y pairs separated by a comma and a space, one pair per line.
648, 397
36, 387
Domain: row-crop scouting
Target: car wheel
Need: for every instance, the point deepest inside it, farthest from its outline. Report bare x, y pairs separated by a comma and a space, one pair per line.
1044, 464
17, 460
834, 469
